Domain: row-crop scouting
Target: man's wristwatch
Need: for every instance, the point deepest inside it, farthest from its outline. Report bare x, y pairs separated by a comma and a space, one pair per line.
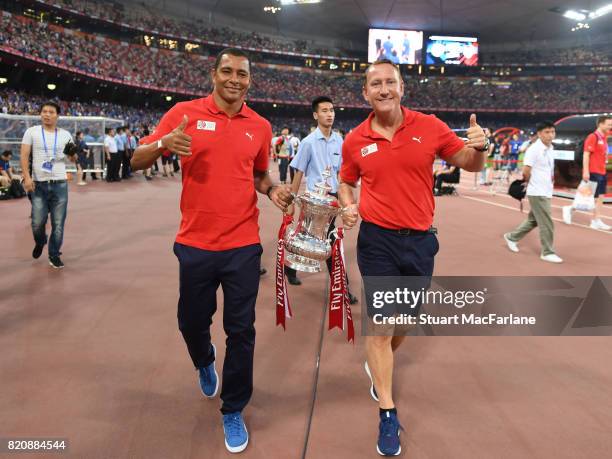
486, 145
270, 190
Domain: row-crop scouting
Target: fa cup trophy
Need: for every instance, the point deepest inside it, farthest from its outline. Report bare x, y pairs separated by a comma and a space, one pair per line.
307, 244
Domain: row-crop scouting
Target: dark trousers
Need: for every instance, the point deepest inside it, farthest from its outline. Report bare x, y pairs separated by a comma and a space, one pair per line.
112, 167
291, 173
89, 164
125, 164
441, 178
283, 165
201, 273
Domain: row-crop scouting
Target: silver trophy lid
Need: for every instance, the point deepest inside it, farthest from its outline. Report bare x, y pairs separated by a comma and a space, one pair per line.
320, 195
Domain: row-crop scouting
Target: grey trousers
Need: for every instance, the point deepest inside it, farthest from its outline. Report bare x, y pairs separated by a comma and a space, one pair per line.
539, 215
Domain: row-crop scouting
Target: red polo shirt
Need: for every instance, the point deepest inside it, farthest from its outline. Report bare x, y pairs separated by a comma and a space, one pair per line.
218, 201
397, 176
597, 145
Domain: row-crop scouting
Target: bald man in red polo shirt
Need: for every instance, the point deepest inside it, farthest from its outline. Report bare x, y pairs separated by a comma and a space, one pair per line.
392, 152
223, 146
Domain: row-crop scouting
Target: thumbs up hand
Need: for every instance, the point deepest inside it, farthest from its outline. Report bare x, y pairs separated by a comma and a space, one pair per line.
476, 136
177, 141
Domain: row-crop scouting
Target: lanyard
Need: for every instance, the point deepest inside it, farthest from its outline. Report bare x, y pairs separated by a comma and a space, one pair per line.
45, 143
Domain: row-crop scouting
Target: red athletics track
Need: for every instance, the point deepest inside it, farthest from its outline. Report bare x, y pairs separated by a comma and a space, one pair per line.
92, 353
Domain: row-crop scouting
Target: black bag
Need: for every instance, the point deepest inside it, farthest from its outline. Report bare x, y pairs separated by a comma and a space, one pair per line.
71, 149
518, 191
16, 190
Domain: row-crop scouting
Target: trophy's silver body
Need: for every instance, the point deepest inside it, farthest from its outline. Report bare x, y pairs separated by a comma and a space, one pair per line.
307, 244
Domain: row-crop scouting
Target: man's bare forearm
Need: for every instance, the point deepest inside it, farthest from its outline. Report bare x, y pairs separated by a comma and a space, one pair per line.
25, 161
263, 182
345, 194
526, 173
145, 156
297, 181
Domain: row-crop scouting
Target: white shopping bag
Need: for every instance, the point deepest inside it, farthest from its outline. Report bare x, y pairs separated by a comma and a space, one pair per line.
585, 196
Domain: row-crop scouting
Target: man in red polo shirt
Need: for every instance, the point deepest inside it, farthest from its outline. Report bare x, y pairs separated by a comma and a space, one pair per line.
223, 146
594, 169
393, 152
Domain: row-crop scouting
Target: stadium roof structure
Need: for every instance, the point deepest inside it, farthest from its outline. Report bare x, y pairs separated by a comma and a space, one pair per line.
491, 20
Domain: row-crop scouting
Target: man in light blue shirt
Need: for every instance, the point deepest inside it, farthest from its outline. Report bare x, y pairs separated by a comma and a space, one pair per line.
318, 151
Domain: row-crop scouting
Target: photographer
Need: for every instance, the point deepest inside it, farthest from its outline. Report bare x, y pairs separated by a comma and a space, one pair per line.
49, 147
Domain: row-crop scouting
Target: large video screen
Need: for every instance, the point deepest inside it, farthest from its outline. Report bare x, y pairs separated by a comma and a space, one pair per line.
447, 50
399, 46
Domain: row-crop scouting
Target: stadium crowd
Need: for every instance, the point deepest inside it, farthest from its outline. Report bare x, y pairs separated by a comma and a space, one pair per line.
139, 16
189, 74
142, 17
560, 56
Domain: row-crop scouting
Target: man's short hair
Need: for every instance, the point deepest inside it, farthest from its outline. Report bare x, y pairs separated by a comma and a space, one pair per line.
379, 62
320, 100
232, 52
7, 153
288, 129
602, 119
51, 104
544, 125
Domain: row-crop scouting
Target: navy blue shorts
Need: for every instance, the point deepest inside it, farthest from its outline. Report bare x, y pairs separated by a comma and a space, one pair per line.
385, 252
388, 253
602, 183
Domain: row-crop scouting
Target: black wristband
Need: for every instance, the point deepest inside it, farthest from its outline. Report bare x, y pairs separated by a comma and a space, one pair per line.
270, 190
485, 146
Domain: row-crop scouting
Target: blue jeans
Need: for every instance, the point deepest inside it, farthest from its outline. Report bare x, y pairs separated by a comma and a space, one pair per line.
49, 198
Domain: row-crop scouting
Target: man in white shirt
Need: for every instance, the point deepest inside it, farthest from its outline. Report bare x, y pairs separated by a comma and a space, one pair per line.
48, 184
538, 173
111, 152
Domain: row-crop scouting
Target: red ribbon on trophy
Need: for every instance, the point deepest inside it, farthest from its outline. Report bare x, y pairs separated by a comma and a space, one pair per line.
283, 308
339, 305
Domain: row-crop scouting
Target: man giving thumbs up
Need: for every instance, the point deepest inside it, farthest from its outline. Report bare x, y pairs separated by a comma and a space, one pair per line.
223, 146
392, 152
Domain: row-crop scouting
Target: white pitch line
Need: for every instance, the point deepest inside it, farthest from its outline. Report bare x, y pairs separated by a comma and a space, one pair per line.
518, 210
510, 197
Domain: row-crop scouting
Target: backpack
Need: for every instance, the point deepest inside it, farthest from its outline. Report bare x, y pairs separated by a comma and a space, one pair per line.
16, 190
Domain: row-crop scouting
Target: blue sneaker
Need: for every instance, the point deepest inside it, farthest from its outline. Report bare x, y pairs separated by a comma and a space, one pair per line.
209, 380
236, 435
388, 435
